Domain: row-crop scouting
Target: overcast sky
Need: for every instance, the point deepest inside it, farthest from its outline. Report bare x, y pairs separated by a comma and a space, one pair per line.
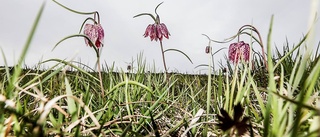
186, 21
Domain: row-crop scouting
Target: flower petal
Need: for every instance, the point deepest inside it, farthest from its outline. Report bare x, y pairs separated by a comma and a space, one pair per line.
164, 30
238, 51
100, 32
153, 31
232, 52
95, 33
148, 30
159, 32
156, 32
89, 33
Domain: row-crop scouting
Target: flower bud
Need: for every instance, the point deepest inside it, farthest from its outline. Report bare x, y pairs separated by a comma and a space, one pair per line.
208, 49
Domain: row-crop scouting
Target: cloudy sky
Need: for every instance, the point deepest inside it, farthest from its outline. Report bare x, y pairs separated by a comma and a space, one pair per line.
185, 19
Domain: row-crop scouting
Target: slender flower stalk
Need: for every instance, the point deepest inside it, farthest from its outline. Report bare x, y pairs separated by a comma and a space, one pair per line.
242, 30
93, 34
157, 31
163, 58
208, 51
100, 77
259, 40
74, 11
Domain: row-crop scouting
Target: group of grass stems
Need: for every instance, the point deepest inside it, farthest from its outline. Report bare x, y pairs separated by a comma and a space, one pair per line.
65, 100
55, 102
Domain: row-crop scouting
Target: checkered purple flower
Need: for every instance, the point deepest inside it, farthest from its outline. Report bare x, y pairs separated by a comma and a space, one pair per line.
239, 51
157, 31
95, 33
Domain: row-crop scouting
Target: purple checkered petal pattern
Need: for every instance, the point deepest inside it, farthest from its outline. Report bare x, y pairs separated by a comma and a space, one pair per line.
157, 31
95, 33
239, 51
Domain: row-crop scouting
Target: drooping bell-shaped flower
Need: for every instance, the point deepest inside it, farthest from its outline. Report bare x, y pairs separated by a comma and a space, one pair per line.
157, 31
95, 33
239, 50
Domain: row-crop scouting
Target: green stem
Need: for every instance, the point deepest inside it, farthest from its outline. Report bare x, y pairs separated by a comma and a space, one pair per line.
262, 49
146, 14
17, 68
100, 76
98, 16
84, 22
209, 90
209, 87
163, 59
78, 12
260, 41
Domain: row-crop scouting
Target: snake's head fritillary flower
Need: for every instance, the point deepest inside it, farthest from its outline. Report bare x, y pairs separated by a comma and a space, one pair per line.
157, 31
95, 33
239, 50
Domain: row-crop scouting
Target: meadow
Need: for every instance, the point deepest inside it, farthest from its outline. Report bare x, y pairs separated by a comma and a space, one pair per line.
272, 93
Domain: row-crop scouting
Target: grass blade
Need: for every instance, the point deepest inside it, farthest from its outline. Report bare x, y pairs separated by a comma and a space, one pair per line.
72, 108
271, 85
179, 52
17, 69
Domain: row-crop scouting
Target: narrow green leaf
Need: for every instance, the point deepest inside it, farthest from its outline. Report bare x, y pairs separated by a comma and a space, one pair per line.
17, 70
72, 108
6, 66
154, 105
145, 14
78, 35
53, 120
298, 103
73, 66
271, 85
129, 82
180, 52
74, 11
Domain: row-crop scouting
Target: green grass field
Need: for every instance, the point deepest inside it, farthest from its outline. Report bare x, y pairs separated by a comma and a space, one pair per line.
279, 97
